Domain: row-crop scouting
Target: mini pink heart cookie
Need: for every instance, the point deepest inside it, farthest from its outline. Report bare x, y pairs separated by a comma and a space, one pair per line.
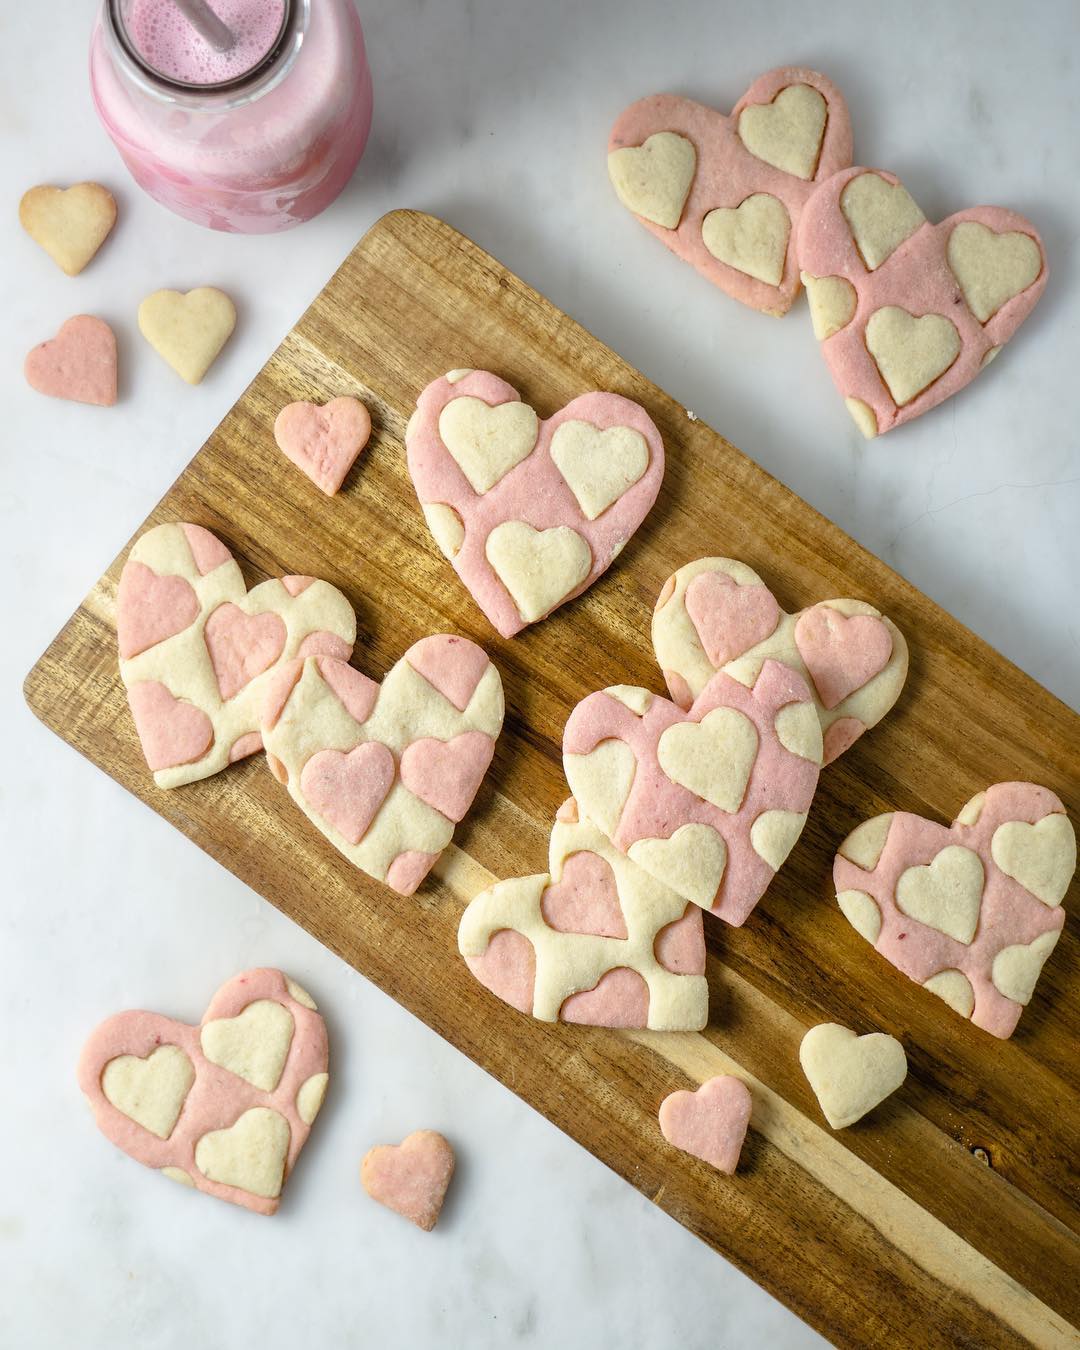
717, 614
710, 1123
710, 800
412, 1177
595, 940
197, 647
908, 312
970, 912
79, 363
224, 1107
530, 513
323, 441
726, 193
386, 771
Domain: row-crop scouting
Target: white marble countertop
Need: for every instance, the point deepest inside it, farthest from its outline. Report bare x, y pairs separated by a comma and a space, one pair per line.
493, 115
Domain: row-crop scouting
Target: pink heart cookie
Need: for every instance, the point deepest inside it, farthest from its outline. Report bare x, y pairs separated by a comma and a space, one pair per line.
224, 1107
530, 513
386, 771
412, 1177
709, 800
909, 312
595, 940
710, 1123
79, 363
970, 912
716, 613
726, 193
323, 441
197, 647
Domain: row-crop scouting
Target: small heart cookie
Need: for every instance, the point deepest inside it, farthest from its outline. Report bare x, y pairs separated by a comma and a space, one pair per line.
386, 771
70, 224
970, 912
530, 513
850, 1074
717, 614
710, 1123
323, 441
710, 800
412, 1177
188, 330
79, 363
726, 193
908, 312
596, 940
225, 1106
197, 647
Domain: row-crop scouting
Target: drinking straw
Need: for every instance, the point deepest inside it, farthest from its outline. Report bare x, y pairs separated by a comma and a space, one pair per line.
206, 23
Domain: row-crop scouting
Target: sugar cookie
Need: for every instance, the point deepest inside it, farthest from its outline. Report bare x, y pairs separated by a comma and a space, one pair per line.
324, 441
188, 330
850, 1074
412, 1177
70, 224
709, 1123
79, 363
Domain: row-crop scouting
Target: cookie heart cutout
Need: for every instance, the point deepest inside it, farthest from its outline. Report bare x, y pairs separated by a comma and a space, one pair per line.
595, 940
717, 614
850, 1074
386, 771
197, 647
412, 1177
188, 330
324, 441
970, 912
529, 512
79, 363
708, 800
709, 1123
726, 193
70, 224
224, 1107
909, 312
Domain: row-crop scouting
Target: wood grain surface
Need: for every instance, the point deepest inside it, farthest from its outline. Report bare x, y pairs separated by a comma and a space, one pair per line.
947, 1217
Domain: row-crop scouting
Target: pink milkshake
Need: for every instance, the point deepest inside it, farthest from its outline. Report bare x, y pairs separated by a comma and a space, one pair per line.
253, 124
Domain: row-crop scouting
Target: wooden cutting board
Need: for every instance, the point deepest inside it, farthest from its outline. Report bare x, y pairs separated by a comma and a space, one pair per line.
948, 1217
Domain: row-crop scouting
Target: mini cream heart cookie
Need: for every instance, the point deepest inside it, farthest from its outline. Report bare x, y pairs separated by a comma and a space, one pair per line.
970, 912
70, 224
717, 614
595, 940
908, 312
188, 330
225, 1106
197, 647
412, 1177
851, 1074
709, 800
726, 193
529, 512
710, 1123
323, 441
386, 771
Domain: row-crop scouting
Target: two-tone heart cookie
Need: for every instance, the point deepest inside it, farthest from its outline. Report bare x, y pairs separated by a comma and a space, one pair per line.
595, 940
726, 193
224, 1107
529, 512
709, 800
970, 912
197, 647
386, 771
908, 312
717, 614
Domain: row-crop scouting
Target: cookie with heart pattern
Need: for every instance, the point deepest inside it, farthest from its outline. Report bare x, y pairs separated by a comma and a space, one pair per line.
385, 771
717, 614
595, 940
709, 800
224, 1107
908, 312
197, 647
971, 912
726, 193
529, 512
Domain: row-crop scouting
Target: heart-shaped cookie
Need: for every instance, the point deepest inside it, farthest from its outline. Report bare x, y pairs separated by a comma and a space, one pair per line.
412, 1177
386, 771
717, 614
323, 441
79, 363
970, 912
70, 224
530, 513
196, 647
188, 330
225, 1106
851, 1074
908, 312
726, 193
596, 940
710, 800
710, 1123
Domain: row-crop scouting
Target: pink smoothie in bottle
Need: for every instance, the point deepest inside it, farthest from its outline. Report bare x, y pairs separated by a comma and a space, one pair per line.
254, 124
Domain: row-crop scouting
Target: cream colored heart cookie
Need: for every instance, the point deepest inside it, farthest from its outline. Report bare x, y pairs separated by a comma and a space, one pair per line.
188, 330
850, 1074
70, 224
